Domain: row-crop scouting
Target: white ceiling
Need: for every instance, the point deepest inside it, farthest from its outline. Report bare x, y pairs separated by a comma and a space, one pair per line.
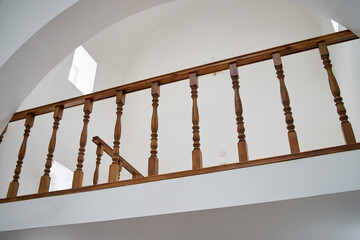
60, 36
53, 37
345, 12
115, 47
327, 217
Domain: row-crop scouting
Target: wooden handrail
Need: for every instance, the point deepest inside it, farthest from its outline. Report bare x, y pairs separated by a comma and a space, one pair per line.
3, 133
98, 141
242, 60
192, 74
252, 163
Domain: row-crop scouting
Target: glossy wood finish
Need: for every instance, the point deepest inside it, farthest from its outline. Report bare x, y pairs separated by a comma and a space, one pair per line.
285, 99
3, 133
14, 185
192, 73
153, 168
242, 145
335, 90
115, 167
108, 150
99, 153
45, 179
79, 174
196, 153
242, 60
252, 163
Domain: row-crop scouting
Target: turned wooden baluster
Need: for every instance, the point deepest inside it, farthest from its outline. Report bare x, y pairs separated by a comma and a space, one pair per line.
335, 90
115, 167
153, 159
45, 179
3, 133
196, 153
242, 145
14, 185
79, 174
99, 153
293, 141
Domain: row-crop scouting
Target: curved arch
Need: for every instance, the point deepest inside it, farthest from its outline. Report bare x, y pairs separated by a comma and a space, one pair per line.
32, 61
344, 12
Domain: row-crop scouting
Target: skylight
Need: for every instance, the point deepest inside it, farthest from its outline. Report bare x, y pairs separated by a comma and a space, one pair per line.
83, 70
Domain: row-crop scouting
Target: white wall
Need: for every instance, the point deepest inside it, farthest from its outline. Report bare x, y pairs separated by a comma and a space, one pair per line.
114, 47
345, 59
58, 37
345, 12
287, 180
54, 87
206, 31
194, 34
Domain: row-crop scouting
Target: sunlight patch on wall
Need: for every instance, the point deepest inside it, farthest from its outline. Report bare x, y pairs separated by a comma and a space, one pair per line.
83, 70
335, 25
61, 177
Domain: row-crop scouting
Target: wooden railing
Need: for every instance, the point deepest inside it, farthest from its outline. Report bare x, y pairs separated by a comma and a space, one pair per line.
154, 83
103, 147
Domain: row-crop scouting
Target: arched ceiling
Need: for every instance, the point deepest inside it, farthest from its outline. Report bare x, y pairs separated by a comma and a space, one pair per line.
32, 61
344, 12
19, 21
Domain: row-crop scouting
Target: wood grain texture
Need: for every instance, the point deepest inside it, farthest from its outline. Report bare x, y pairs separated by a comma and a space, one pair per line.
115, 167
285, 99
99, 153
79, 174
108, 150
45, 179
14, 185
153, 166
3, 133
242, 60
242, 145
196, 153
335, 90
252, 163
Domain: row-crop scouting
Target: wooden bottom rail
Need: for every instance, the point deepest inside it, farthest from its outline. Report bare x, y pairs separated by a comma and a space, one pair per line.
252, 163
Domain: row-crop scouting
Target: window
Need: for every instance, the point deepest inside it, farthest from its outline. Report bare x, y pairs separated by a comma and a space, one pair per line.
83, 70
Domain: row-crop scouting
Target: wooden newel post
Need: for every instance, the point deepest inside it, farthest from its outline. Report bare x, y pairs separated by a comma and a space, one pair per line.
242, 145
293, 140
99, 153
3, 133
14, 185
153, 159
45, 179
79, 174
335, 90
196, 153
115, 167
